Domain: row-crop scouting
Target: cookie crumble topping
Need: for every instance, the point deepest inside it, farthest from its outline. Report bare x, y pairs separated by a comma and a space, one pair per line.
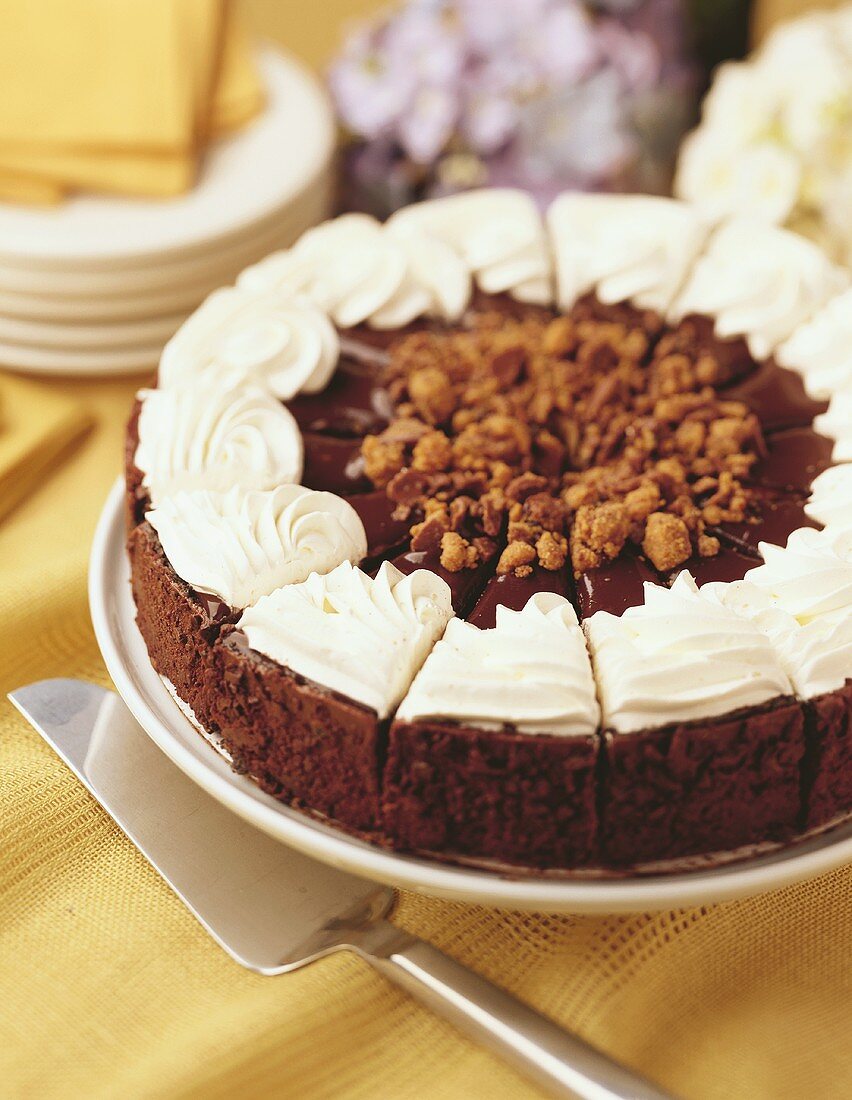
560, 438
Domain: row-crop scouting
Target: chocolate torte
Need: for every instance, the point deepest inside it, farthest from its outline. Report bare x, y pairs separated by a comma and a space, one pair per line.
516, 541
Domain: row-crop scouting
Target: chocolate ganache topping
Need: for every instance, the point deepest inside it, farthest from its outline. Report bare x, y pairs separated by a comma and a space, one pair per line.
545, 438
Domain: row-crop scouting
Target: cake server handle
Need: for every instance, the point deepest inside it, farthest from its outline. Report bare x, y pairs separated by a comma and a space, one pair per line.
559, 1062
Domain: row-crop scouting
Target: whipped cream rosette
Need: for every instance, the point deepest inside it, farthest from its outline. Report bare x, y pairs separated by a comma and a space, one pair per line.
760, 283
284, 344
215, 440
678, 657
801, 598
638, 251
241, 546
530, 672
364, 637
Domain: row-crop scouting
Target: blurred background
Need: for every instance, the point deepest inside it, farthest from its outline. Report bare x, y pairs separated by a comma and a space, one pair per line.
541, 94
124, 200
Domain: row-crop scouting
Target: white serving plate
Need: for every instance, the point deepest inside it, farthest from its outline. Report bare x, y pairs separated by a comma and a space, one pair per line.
61, 336
145, 295
155, 709
69, 361
93, 310
247, 181
215, 266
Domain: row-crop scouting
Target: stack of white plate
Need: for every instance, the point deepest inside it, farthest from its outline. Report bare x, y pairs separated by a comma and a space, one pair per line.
97, 285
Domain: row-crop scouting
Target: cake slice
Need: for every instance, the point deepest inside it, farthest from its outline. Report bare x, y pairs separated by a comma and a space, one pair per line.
305, 683
801, 598
200, 557
701, 734
492, 752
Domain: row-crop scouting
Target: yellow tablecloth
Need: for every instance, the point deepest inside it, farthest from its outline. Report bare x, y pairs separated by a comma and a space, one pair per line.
109, 988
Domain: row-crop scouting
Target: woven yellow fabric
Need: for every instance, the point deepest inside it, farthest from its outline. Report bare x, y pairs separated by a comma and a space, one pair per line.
108, 988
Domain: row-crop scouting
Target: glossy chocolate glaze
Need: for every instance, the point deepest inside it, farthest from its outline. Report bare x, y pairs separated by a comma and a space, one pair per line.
730, 564
353, 404
465, 584
513, 592
215, 610
213, 606
796, 456
481, 302
777, 515
615, 586
370, 345
777, 396
334, 465
375, 510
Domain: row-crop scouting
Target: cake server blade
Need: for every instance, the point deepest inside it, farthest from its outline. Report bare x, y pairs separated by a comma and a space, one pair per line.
273, 909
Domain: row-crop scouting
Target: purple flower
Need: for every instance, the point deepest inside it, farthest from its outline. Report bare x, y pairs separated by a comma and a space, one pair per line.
579, 133
542, 94
371, 87
428, 43
563, 45
425, 130
488, 120
632, 55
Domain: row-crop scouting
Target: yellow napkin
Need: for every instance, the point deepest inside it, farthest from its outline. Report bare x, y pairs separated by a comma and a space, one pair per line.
238, 92
108, 987
118, 97
16, 187
37, 427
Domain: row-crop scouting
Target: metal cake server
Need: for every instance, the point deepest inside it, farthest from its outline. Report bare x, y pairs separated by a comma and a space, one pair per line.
273, 909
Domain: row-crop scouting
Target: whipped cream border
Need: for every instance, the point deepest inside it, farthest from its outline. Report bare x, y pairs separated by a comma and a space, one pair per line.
426, 259
530, 673
680, 656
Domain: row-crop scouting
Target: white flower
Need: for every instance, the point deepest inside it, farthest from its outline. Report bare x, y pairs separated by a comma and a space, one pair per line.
766, 179
817, 107
775, 141
760, 180
798, 42
837, 223
741, 103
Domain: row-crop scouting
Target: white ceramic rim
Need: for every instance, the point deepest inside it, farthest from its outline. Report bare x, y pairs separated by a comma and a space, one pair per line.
61, 336
98, 362
154, 708
97, 233
95, 310
214, 264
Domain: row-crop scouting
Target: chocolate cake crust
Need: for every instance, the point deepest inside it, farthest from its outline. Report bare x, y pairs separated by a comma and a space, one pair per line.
704, 786
827, 768
302, 743
499, 794
180, 627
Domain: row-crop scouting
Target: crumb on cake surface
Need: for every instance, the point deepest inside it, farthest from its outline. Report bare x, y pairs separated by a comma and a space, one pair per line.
541, 440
